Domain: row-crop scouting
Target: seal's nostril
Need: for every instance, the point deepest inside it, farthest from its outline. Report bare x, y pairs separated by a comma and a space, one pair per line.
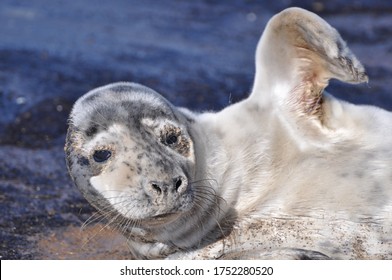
156, 188
178, 183
161, 188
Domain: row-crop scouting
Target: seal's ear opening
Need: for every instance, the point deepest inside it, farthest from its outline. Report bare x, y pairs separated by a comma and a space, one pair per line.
296, 56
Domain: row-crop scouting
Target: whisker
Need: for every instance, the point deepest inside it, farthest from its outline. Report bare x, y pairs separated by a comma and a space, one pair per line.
116, 206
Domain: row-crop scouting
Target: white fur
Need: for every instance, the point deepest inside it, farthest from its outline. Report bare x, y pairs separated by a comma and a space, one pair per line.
320, 181
296, 172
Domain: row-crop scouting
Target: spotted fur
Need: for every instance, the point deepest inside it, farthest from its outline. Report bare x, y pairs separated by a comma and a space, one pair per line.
288, 173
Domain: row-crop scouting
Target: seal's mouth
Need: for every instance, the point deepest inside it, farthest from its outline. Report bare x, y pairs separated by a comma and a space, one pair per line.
160, 219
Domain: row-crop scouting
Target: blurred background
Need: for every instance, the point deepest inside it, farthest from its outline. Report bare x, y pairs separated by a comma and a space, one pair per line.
198, 54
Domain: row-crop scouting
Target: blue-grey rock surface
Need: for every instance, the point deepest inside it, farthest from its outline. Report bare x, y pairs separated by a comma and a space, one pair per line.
198, 54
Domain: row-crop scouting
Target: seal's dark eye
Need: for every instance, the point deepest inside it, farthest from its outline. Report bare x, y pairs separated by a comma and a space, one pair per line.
171, 139
101, 155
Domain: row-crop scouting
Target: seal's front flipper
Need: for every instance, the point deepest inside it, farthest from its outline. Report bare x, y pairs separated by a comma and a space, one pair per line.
296, 56
277, 254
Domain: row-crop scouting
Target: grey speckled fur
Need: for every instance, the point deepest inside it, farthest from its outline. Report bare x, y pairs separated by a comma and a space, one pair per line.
288, 173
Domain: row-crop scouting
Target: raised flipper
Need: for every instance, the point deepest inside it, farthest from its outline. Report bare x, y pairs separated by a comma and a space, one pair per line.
296, 56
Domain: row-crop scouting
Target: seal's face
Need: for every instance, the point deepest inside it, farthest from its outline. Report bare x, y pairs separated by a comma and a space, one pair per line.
130, 153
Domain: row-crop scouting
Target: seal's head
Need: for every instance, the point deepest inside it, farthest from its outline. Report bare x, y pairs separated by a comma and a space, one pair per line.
130, 153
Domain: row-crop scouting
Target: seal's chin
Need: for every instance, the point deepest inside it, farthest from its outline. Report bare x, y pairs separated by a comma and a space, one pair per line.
160, 219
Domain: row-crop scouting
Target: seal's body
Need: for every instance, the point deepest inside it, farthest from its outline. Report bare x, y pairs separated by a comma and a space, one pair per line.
290, 172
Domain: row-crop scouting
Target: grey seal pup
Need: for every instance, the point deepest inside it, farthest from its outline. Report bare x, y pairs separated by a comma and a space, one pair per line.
288, 173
